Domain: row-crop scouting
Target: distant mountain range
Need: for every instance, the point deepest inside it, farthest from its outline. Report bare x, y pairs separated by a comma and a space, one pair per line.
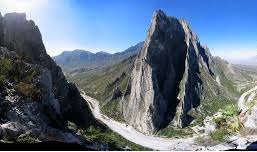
77, 59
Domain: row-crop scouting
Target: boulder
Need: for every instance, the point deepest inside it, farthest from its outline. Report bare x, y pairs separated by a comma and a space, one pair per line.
241, 143
12, 129
209, 124
251, 121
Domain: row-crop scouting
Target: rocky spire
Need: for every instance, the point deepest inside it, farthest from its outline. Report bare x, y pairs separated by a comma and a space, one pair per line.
165, 78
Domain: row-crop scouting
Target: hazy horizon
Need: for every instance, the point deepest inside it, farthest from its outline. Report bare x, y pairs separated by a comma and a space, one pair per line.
114, 26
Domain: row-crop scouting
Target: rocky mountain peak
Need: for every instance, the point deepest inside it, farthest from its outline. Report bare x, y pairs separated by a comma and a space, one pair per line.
158, 15
166, 79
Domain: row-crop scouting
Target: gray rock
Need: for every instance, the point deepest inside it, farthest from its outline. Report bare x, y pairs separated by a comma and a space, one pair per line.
209, 124
251, 121
221, 147
165, 80
241, 143
12, 129
35, 94
51, 134
24, 38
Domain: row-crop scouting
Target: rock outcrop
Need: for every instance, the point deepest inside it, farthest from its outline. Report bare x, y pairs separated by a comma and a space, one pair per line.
24, 38
165, 80
34, 94
28, 106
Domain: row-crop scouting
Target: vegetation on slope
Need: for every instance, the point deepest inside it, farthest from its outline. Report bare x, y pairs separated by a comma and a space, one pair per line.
114, 140
101, 83
172, 131
23, 76
110, 109
6, 65
227, 123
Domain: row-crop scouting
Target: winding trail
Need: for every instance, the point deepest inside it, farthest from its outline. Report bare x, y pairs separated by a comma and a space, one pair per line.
153, 142
128, 132
242, 100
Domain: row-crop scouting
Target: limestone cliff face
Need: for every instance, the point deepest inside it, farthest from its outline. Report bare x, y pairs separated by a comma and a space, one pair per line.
19, 35
165, 80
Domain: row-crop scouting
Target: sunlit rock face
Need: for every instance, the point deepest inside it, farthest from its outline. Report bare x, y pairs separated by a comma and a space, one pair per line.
24, 38
35, 93
165, 81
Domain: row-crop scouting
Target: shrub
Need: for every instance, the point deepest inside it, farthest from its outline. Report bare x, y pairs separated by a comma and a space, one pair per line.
93, 133
32, 74
114, 140
2, 78
230, 110
220, 122
172, 131
235, 125
6, 65
26, 140
26, 89
220, 134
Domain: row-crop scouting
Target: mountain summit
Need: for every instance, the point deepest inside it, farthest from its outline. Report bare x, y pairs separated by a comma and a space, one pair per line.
166, 75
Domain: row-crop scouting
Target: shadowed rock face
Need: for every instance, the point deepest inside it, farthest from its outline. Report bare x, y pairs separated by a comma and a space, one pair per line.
166, 78
23, 37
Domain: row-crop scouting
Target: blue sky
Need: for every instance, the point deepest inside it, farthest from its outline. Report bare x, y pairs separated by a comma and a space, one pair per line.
227, 27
